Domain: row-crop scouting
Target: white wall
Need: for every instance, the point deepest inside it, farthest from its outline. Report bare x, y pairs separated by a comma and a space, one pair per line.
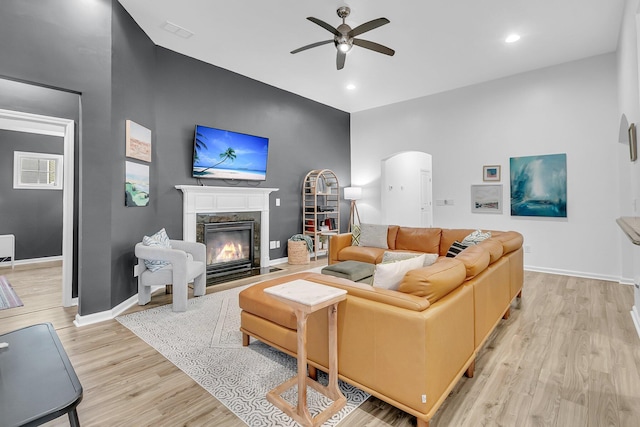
629, 105
570, 108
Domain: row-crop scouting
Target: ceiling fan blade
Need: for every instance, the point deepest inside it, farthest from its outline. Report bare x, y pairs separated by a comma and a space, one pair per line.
309, 46
324, 25
340, 60
374, 46
368, 26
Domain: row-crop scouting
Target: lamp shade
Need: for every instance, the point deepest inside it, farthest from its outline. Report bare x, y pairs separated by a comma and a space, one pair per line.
352, 193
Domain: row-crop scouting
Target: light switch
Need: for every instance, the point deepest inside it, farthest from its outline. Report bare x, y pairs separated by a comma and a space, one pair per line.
278, 201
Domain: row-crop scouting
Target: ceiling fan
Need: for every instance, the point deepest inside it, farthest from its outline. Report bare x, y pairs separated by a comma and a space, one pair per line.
344, 36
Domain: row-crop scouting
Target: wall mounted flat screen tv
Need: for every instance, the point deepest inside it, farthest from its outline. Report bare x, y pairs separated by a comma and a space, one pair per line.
222, 154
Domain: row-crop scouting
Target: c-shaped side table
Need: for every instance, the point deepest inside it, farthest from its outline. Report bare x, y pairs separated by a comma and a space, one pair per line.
307, 297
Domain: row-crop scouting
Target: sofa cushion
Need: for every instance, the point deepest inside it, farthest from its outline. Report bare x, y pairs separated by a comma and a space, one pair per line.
373, 235
435, 281
475, 259
255, 301
494, 247
451, 235
455, 248
476, 237
389, 275
425, 240
511, 240
362, 254
392, 234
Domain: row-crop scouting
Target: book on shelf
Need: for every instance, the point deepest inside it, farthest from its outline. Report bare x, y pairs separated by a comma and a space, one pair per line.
310, 225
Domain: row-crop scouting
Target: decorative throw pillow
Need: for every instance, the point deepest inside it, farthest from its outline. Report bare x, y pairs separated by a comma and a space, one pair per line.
374, 235
455, 249
389, 275
429, 259
475, 238
355, 235
160, 239
388, 257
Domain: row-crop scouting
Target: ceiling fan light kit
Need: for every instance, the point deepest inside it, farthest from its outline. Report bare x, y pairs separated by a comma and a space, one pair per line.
344, 36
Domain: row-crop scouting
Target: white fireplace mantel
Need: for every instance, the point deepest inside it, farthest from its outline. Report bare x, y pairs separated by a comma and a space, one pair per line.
198, 199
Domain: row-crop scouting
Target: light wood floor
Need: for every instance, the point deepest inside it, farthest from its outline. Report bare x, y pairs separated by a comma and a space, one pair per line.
568, 356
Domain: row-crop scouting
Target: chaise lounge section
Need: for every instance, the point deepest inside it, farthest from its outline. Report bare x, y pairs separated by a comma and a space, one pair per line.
408, 347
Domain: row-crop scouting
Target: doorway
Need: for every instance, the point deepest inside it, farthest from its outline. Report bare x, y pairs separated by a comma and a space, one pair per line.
54, 126
406, 189
426, 208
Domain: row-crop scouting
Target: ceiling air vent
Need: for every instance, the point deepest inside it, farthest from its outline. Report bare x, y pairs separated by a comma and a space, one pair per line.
177, 30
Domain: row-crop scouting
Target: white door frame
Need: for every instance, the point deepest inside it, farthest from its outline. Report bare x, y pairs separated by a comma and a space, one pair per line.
427, 173
54, 126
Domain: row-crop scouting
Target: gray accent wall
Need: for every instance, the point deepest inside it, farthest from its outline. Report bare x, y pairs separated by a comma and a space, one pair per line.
303, 135
34, 216
97, 51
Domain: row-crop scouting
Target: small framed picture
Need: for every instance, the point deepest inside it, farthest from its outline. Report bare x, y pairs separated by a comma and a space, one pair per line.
491, 173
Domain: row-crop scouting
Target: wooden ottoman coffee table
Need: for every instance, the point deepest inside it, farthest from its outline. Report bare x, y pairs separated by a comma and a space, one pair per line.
307, 297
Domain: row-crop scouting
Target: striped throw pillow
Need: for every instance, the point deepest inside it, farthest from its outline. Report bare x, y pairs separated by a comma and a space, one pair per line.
455, 249
160, 239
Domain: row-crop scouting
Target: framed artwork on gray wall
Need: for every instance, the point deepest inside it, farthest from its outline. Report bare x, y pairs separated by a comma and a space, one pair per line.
486, 198
138, 141
136, 186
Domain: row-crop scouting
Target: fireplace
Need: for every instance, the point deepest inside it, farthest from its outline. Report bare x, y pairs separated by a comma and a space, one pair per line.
230, 247
208, 204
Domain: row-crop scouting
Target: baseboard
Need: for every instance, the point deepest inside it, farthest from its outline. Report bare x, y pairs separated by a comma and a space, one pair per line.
278, 261
636, 318
19, 262
582, 274
102, 316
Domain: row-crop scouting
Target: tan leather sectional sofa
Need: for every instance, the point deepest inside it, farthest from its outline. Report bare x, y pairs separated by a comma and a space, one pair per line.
407, 347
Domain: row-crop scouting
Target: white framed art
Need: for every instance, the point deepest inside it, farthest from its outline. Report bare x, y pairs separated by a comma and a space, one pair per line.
486, 198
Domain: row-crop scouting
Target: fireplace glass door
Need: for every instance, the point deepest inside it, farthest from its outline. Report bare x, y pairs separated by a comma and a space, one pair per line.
229, 247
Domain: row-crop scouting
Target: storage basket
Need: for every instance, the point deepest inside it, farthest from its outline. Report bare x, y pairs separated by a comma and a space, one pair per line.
298, 253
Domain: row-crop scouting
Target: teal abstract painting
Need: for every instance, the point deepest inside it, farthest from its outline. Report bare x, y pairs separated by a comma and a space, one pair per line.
539, 185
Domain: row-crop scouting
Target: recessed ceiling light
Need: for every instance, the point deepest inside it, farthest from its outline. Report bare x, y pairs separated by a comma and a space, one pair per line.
351, 86
512, 38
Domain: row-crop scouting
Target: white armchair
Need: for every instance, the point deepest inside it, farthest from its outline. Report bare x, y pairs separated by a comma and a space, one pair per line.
186, 264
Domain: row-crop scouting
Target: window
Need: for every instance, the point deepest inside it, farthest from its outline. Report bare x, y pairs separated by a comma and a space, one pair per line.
37, 171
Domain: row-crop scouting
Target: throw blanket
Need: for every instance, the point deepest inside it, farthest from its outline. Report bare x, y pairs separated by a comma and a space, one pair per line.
298, 237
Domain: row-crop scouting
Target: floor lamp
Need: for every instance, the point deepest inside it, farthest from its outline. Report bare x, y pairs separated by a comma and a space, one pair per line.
353, 194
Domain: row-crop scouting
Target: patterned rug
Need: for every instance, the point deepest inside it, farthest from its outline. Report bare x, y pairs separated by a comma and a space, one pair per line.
205, 342
8, 297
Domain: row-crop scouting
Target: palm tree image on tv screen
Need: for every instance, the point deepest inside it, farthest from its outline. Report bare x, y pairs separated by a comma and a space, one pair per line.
224, 154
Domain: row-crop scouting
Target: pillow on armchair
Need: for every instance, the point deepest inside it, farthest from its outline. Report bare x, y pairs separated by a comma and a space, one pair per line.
160, 239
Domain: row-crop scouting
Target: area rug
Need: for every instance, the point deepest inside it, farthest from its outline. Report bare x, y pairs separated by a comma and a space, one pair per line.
205, 342
8, 297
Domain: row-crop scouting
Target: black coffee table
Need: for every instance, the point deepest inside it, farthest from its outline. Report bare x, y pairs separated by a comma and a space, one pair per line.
37, 381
